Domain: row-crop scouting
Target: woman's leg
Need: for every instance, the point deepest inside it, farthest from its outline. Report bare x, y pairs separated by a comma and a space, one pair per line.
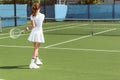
36, 48
34, 55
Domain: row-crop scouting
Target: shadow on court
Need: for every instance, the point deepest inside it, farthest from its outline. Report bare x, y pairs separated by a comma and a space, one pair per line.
15, 67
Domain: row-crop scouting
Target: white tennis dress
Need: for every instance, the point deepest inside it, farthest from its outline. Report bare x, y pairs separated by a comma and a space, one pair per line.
36, 34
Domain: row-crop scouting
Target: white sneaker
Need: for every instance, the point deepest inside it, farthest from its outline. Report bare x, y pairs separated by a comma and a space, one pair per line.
38, 62
33, 66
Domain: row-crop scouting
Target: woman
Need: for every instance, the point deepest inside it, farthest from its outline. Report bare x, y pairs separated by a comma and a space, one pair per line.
36, 36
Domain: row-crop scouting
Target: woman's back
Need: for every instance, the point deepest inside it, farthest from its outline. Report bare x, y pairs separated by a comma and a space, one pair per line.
38, 19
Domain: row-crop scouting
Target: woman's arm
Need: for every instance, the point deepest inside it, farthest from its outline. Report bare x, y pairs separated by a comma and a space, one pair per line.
31, 26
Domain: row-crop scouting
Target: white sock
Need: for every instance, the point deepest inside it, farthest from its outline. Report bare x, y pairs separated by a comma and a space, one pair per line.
32, 60
37, 58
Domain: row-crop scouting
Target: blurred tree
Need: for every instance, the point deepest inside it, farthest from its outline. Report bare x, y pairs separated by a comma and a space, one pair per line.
90, 1
29, 2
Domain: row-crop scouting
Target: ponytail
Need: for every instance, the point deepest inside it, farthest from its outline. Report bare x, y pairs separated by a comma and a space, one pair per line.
35, 8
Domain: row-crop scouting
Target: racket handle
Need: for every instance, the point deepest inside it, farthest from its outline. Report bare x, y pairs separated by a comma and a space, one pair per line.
26, 29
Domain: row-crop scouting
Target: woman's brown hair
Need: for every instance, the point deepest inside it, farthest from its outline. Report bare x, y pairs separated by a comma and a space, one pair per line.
35, 8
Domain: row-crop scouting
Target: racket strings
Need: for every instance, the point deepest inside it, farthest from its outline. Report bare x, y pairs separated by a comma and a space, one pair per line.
15, 33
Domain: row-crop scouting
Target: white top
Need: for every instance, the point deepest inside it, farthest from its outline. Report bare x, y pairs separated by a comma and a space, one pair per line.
38, 19
36, 34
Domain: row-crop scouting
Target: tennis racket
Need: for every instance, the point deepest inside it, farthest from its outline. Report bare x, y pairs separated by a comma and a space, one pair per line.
15, 33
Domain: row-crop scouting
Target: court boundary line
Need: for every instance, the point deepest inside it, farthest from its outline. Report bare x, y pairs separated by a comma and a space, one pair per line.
58, 26
66, 25
52, 30
5, 37
44, 28
58, 48
15, 46
4, 34
85, 49
50, 27
63, 28
79, 38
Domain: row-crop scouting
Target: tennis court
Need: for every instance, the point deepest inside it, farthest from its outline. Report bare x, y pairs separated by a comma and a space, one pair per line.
73, 51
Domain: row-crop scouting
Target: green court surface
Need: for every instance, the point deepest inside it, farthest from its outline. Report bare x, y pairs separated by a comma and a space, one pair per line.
73, 51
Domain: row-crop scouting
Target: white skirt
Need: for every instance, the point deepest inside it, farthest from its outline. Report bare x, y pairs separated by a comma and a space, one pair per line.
36, 35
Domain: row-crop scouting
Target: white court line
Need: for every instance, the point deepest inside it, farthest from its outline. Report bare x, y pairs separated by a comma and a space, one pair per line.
58, 26
44, 28
4, 37
2, 79
105, 24
79, 38
77, 49
56, 48
9, 36
4, 34
15, 46
69, 25
64, 28
49, 30
95, 28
